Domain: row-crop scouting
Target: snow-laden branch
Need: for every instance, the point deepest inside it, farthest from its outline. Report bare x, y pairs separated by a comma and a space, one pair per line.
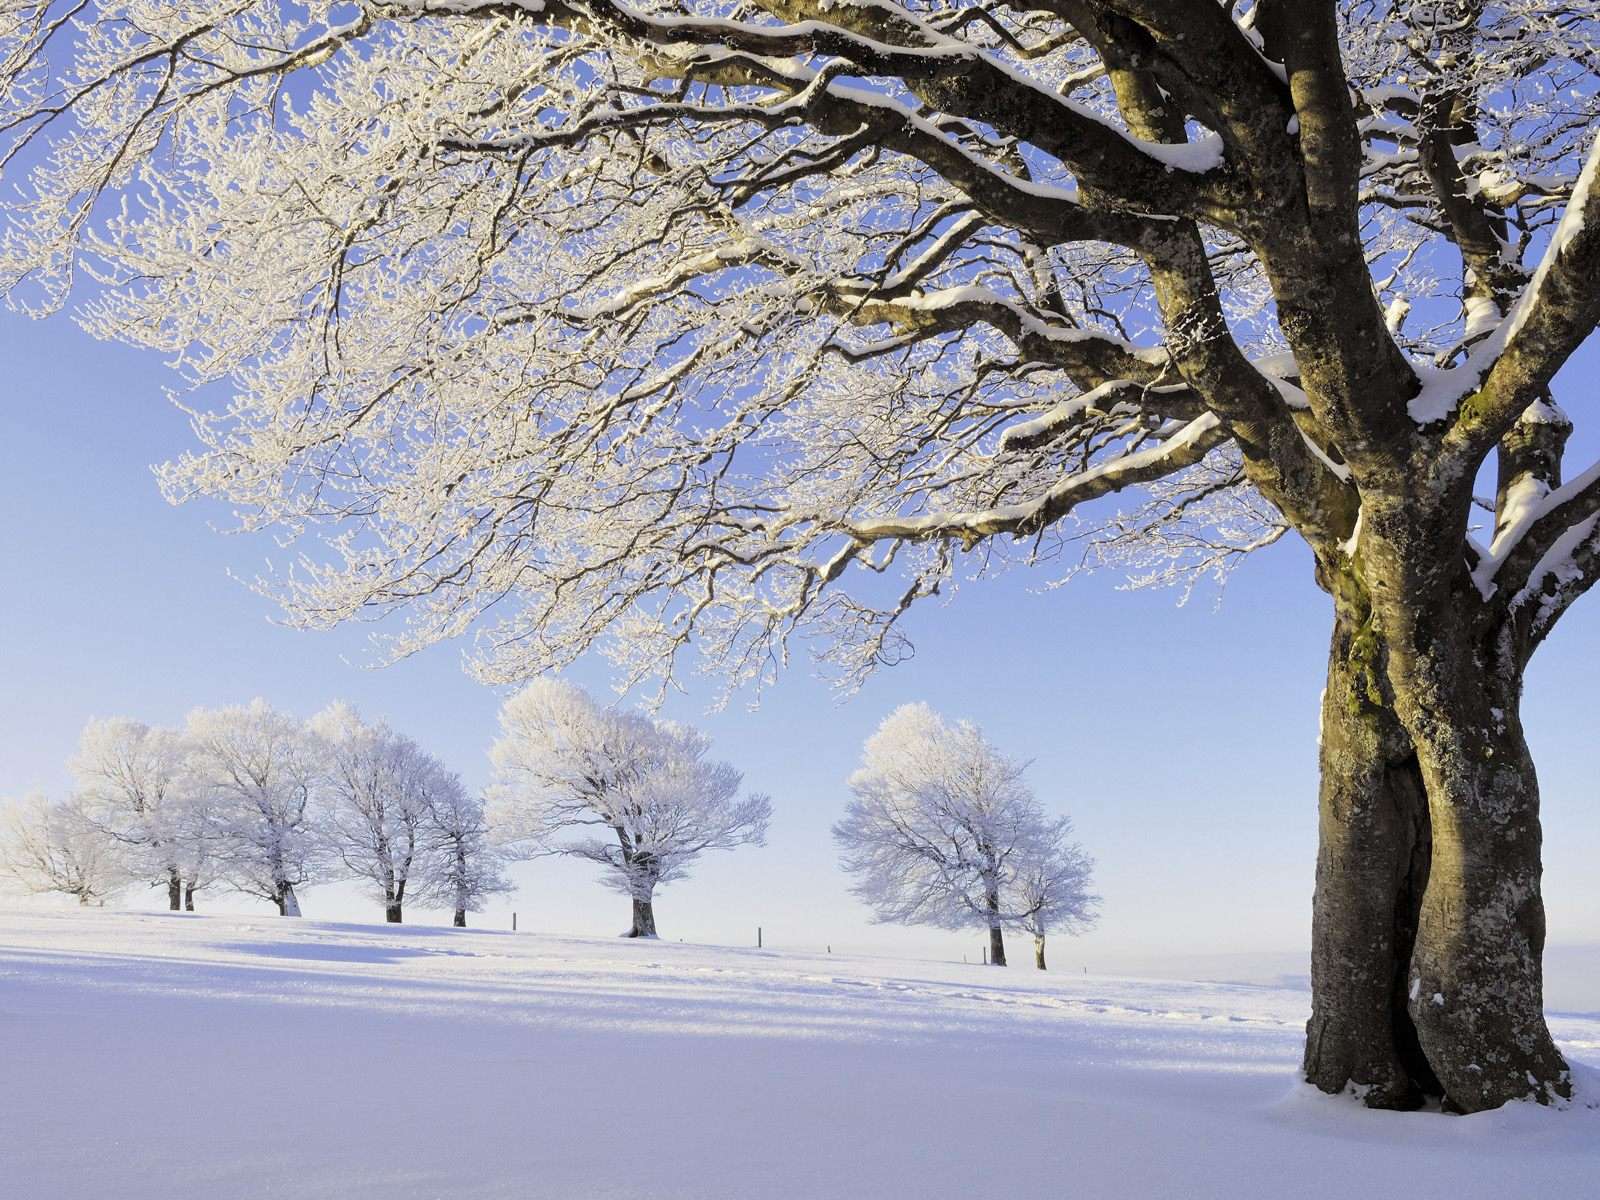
1182, 448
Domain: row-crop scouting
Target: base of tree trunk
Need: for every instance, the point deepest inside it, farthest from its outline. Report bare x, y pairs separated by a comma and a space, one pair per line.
391, 914
174, 893
188, 898
644, 920
1476, 979
288, 903
1038, 953
997, 947
460, 918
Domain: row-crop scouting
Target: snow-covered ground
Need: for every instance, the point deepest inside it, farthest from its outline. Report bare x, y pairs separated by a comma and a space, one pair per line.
239, 1057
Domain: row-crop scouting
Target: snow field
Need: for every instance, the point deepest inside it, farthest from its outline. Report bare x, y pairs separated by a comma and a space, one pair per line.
231, 1058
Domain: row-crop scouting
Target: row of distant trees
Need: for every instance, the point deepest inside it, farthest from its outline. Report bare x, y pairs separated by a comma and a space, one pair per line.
942, 828
263, 802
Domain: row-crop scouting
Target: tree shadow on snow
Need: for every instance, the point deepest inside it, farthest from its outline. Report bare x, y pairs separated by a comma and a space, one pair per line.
324, 952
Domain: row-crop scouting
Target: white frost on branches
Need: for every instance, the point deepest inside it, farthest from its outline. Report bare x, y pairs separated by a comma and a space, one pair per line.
50, 847
258, 771
942, 829
135, 789
633, 793
466, 867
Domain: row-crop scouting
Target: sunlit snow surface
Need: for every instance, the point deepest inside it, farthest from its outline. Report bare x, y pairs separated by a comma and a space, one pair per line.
232, 1058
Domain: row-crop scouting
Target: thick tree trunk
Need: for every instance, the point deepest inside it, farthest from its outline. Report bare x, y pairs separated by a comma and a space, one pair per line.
1477, 984
391, 913
174, 889
1453, 669
1372, 866
644, 918
1038, 951
461, 918
188, 896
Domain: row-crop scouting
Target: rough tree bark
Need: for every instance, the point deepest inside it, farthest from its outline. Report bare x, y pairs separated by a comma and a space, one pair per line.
1372, 867
1476, 990
1038, 951
174, 889
1428, 926
188, 896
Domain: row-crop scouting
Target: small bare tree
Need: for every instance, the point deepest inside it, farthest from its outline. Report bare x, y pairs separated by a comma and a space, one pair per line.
564, 764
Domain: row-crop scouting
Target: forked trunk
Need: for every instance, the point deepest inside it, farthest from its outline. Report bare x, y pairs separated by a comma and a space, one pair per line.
1372, 866
1038, 951
174, 889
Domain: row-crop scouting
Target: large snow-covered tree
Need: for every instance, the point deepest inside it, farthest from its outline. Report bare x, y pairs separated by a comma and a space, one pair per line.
938, 826
466, 866
259, 773
132, 790
379, 788
754, 321
629, 791
51, 847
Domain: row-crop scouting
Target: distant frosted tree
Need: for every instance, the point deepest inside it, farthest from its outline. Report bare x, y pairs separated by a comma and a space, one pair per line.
379, 787
467, 867
635, 794
50, 847
257, 770
131, 781
1049, 888
938, 824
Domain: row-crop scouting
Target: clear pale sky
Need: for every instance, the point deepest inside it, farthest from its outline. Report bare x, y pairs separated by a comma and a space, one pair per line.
1182, 740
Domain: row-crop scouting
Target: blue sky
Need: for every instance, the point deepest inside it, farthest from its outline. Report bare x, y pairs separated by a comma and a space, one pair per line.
1182, 740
